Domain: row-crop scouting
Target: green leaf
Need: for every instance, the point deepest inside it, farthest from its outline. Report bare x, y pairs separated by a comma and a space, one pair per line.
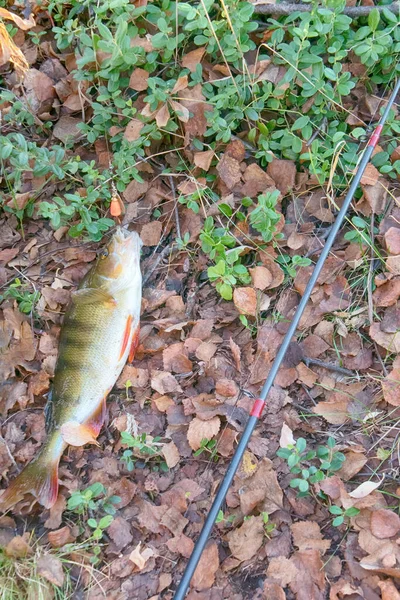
352, 511
373, 19
335, 510
301, 444
337, 521
303, 485
92, 523
105, 521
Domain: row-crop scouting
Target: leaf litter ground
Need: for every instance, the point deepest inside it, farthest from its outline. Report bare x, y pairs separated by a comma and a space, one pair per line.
189, 390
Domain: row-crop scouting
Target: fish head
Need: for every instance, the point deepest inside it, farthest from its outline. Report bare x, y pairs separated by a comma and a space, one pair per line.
120, 259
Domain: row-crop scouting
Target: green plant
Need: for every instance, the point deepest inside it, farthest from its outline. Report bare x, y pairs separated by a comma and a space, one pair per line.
20, 292
269, 527
299, 460
361, 234
142, 448
209, 447
265, 217
290, 264
92, 499
221, 518
341, 514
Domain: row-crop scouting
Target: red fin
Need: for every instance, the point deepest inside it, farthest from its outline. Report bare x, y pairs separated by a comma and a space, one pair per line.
96, 421
134, 344
127, 335
39, 478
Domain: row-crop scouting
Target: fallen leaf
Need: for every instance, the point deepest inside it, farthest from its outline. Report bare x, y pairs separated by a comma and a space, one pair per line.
60, 537
286, 438
19, 547
203, 159
283, 172
151, 233
66, 129
202, 430
353, 464
140, 558
388, 340
310, 577
245, 300
50, 567
364, 489
261, 490
204, 575
120, 532
273, 591
23, 24
370, 175
261, 277
229, 171
164, 382
335, 412
282, 570
193, 58
388, 590
384, 523
162, 116
307, 536
171, 454
246, 540
392, 240
133, 130
138, 80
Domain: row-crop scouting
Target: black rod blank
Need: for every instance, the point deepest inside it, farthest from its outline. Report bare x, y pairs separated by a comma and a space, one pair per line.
260, 403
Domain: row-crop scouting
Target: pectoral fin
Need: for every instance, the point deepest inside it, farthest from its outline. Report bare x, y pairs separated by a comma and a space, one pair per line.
77, 434
92, 296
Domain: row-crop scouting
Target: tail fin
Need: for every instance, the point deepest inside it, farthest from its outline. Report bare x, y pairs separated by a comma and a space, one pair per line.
39, 478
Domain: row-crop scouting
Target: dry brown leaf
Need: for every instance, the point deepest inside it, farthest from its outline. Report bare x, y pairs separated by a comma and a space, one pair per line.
202, 430
50, 567
286, 438
283, 172
138, 80
388, 340
204, 575
19, 547
370, 175
133, 129
273, 591
23, 24
229, 171
140, 557
192, 59
181, 84
60, 537
171, 454
282, 570
388, 590
181, 111
203, 159
235, 349
261, 277
247, 539
335, 412
310, 577
365, 489
390, 385
245, 300
162, 116
261, 490
384, 523
392, 240
164, 382
151, 233
307, 536
353, 464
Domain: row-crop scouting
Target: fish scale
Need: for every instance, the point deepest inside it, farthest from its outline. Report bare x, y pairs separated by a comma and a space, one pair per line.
100, 328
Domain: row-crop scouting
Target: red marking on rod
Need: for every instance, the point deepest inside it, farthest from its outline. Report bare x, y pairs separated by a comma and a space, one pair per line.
257, 409
375, 136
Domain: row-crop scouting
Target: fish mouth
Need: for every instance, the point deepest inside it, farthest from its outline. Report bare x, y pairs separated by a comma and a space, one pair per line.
125, 237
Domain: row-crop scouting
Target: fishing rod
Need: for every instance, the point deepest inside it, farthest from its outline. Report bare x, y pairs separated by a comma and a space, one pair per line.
259, 403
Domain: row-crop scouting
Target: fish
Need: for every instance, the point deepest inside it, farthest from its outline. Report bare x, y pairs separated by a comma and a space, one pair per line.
100, 332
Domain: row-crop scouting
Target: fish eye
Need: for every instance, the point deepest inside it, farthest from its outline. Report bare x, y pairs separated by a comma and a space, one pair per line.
104, 253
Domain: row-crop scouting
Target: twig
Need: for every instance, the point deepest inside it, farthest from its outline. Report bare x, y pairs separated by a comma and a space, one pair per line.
352, 11
369, 292
177, 222
328, 366
157, 261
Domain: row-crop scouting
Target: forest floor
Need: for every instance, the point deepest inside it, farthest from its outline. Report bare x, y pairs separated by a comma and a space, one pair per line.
228, 141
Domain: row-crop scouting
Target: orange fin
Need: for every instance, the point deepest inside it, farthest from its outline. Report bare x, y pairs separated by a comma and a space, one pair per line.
127, 336
39, 478
96, 421
78, 434
134, 344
